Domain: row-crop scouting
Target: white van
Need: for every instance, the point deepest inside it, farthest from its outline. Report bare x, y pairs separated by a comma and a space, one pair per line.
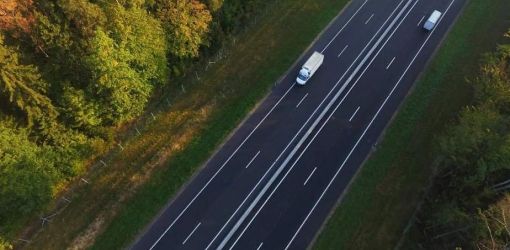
432, 20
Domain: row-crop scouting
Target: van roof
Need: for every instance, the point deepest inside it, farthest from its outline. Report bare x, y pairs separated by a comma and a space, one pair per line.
435, 16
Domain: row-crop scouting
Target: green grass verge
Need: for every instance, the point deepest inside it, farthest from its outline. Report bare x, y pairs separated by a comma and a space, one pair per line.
264, 52
384, 195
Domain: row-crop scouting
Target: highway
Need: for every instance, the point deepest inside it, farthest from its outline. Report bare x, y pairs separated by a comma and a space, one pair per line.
275, 180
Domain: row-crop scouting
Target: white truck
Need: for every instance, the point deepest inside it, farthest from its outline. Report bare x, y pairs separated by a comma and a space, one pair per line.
432, 20
311, 65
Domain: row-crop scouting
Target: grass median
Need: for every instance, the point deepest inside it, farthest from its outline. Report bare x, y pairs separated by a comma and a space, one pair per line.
387, 190
121, 198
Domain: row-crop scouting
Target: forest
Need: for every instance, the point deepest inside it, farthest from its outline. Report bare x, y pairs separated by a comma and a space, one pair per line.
72, 71
468, 205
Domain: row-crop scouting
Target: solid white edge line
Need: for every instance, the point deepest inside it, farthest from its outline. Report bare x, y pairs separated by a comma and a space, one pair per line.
309, 131
309, 176
189, 235
354, 114
302, 99
370, 18
391, 62
252, 159
366, 129
343, 27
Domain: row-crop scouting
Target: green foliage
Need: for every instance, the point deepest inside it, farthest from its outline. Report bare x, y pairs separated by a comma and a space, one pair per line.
80, 112
73, 70
186, 23
26, 174
476, 155
121, 91
23, 86
142, 39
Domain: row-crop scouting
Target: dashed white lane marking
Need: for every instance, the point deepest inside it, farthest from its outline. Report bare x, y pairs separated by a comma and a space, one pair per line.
346, 46
309, 176
261, 243
370, 18
252, 159
423, 17
302, 99
389, 64
195, 229
343, 27
354, 114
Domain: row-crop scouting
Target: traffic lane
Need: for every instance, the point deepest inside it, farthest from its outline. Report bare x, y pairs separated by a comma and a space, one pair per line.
207, 202
217, 160
228, 199
348, 170
315, 156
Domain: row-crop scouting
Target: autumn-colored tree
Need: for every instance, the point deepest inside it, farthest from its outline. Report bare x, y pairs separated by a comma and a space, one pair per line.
187, 25
16, 16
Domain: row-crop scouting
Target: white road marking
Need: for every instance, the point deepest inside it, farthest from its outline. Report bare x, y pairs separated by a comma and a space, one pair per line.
221, 168
343, 27
309, 131
370, 18
354, 114
389, 64
302, 99
309, 176
189, 235
261, 243
346, 46
252, 159
306, 148
423, 17
366, 129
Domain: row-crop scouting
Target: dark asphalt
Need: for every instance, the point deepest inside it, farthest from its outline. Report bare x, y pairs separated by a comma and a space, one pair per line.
275, 180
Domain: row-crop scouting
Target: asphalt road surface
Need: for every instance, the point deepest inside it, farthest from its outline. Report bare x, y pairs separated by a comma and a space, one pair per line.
273, 183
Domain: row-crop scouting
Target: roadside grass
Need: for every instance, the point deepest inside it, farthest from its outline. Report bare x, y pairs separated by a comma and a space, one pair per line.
124, 196
387, 190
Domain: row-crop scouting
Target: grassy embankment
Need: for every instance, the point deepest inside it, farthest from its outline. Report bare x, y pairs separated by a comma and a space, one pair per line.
387, 190
138, 181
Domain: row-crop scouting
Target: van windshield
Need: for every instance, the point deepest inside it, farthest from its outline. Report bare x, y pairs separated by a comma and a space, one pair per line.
302, 77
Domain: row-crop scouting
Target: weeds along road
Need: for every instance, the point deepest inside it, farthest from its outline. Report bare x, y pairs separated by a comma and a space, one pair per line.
273, 183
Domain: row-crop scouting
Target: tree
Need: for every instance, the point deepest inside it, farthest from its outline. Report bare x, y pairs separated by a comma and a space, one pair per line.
186, 23
143, 39
80, 112
26, 174
493, 227
126, 61
23, 85
85, 16
17, 16
119, 88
